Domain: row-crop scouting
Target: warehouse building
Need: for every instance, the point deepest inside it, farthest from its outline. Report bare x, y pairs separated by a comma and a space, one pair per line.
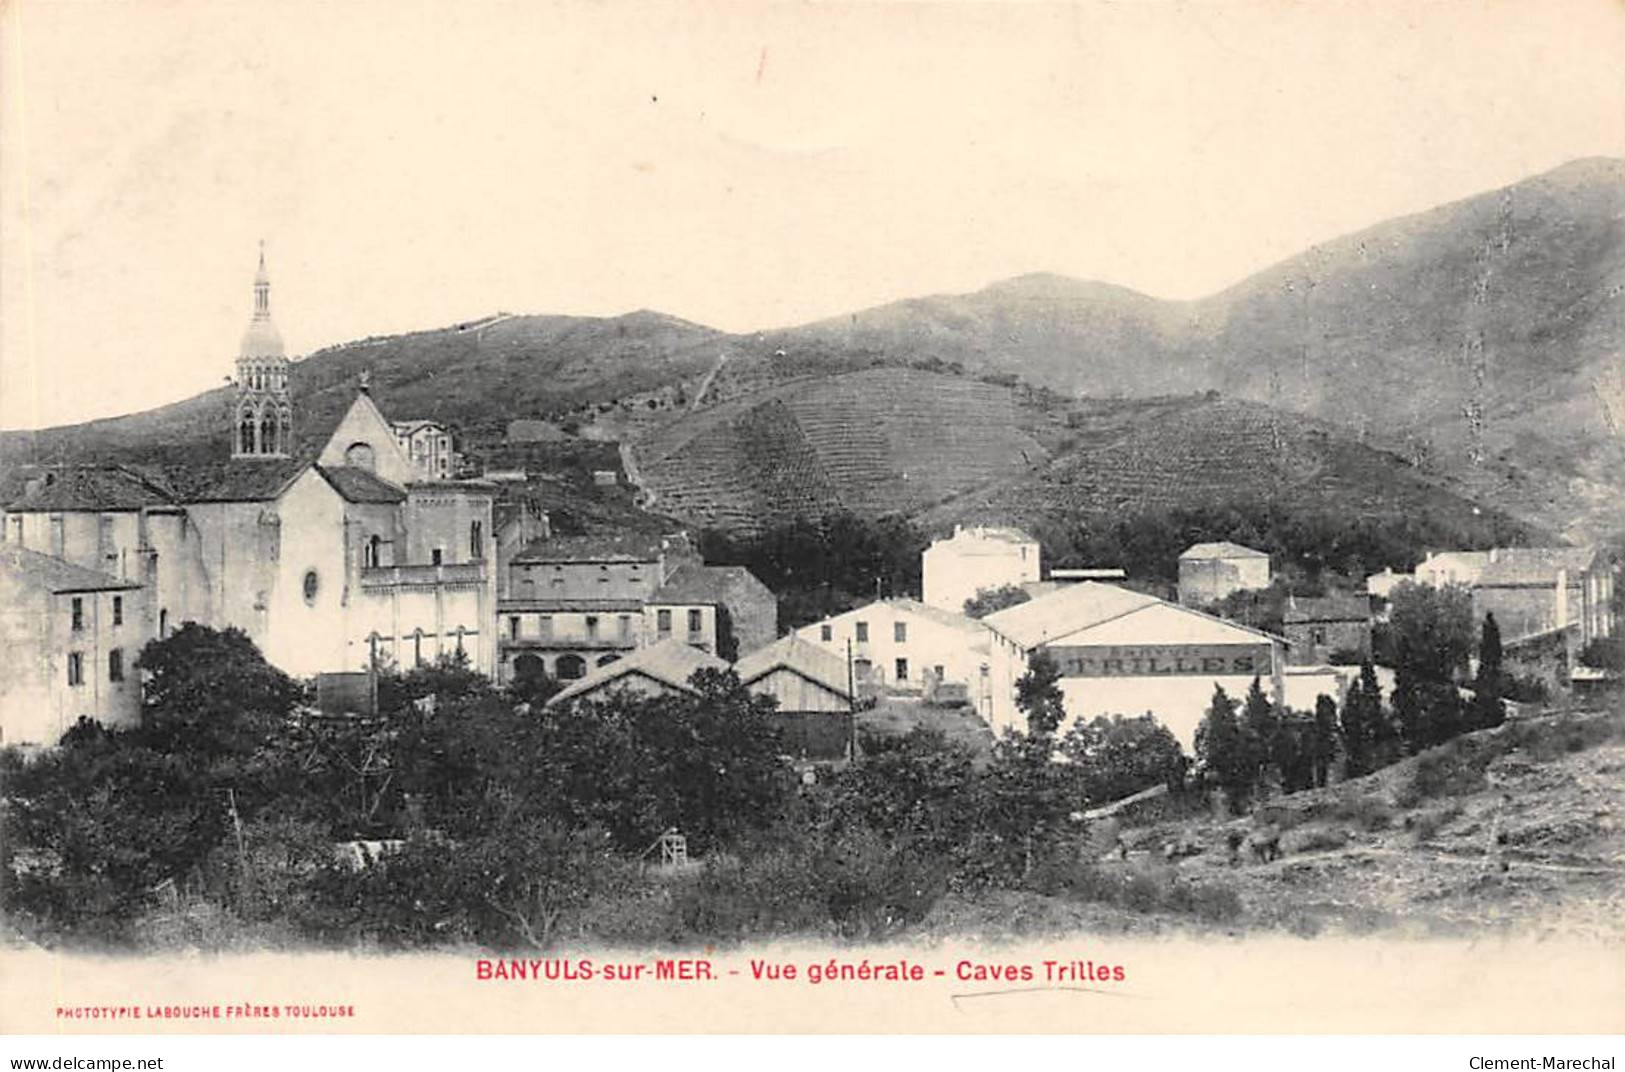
1127, 653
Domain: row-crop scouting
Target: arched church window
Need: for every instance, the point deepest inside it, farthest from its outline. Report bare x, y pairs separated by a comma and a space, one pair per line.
284, 426
476, 540
360, 455
245, 435
311, 586
417, 647
370, 556
267, 434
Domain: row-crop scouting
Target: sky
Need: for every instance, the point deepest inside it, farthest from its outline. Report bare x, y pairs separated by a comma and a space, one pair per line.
743, 165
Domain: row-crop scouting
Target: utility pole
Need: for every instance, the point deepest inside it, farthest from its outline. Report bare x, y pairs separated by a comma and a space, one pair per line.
851, 707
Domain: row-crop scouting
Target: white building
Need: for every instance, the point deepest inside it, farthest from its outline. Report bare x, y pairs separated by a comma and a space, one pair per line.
427, 445
896, 643
954, 569
1127, 653
1210, 571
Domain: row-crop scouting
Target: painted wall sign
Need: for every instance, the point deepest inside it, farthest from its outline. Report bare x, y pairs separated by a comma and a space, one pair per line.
1152, 660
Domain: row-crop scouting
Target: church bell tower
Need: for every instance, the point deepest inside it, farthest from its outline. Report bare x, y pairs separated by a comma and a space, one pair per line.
263, 416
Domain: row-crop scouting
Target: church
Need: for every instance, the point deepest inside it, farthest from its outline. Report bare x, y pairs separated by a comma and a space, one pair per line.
328, 546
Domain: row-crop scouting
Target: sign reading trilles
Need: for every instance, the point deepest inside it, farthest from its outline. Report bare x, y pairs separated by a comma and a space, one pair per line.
1134, 660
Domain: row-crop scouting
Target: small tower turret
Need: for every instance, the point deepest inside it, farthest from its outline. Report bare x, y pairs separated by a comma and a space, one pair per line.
263, 417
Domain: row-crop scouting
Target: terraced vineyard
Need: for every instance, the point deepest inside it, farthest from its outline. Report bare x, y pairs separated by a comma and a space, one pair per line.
1180, 452
877, 441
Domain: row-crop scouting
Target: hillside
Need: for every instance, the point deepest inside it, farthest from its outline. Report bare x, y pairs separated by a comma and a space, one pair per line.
1505, 310
476, 376
886, 440
1402, 853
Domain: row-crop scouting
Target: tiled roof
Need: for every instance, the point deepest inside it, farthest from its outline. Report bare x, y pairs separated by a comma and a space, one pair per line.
1221, 549
83, 487
57, 575
608, 547
236, 479
936, 614
1077, 606
706, 584
1343, 608
799, 656
670, 662
360, 486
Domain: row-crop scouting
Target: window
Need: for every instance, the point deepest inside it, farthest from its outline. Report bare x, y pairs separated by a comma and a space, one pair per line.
902, 669
370, 552
17, 530
1317, 634
513, 627
163, 622
476, 540
312, 585
78, 614
899, 632
557, 579
625, 623
663, 621
826, 633
118, 610
417, 647
544, 625
592, 627
862, 632
115, 665
696, 621
435, 556
459, 640
938, 671
76, 668
361, 457
603, 574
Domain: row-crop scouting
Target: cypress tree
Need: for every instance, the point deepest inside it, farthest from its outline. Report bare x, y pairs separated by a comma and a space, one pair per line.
1489, 684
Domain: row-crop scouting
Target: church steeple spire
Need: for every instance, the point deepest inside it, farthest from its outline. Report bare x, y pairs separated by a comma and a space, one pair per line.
263, 415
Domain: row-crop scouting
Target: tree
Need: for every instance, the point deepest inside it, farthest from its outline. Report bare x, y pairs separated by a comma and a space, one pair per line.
1026, 796
1488, 709
1039, 695
1430, 630
1363, 723
988, 600
1261, 729
1223, 751
210, 692
1323, 741
1115, 757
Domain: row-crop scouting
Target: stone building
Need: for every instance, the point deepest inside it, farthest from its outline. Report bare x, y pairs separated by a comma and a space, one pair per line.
1532, 590
1318, 627
575, 602
1210, 571
72, 636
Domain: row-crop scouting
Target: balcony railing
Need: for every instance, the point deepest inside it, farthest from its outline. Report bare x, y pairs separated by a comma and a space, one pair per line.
457, 573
